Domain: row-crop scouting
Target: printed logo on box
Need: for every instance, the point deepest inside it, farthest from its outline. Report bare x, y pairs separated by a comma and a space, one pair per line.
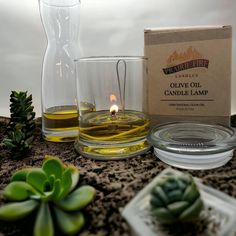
189, 59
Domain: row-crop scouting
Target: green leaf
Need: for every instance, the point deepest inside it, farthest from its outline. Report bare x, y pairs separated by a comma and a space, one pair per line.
158, 191
16, 211
74, 175
78, 199
175, 195
170, 185
161, 181
178, 207
181, 184
70, 179
20, 175
44, 225
18, 136
53, 166
56, 190
18, 191
191, 193
156, 202
69, 223
186, 178
51, 180
8, 143
192, 212
163, 215
37, 179
66, 183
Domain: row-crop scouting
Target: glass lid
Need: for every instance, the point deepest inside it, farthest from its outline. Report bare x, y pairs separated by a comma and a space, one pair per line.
192, 138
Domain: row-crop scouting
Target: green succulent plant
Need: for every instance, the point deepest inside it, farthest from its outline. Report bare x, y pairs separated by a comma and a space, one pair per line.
21, 126
176, 199
51, 192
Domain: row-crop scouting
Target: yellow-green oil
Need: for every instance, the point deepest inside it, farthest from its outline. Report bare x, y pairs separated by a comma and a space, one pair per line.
104, 135
60, 124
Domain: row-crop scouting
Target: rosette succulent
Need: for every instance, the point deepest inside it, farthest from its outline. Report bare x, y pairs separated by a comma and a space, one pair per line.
49, 191
176, 198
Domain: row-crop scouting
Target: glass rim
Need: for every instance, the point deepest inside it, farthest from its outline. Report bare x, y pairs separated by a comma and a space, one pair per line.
160, 136
60, 3
110, 58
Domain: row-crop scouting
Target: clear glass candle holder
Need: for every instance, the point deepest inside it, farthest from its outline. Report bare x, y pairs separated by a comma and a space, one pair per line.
111, 94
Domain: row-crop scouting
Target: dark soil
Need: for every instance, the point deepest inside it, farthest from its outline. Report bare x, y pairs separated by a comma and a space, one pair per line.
116, 183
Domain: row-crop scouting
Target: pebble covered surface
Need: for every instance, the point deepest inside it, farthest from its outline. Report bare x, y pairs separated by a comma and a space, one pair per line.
116, 182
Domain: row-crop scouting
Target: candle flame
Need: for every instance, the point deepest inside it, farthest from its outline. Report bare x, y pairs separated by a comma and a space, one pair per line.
113, 98
114, 109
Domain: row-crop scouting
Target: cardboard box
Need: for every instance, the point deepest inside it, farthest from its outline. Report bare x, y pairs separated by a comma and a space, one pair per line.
189, 73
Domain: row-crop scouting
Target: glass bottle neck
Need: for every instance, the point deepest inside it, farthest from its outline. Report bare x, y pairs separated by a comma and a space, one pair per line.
61, 23
61, 3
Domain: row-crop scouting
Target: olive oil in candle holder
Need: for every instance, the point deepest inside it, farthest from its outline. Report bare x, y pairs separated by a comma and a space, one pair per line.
113, 133
117, 127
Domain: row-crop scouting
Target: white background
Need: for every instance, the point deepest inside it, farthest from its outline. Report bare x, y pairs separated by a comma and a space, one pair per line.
108, 27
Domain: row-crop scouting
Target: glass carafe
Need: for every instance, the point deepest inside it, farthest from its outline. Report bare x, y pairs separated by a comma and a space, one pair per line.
61, 23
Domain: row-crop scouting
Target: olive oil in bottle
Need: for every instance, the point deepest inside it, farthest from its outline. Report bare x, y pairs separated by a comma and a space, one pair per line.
60, 124
59, 111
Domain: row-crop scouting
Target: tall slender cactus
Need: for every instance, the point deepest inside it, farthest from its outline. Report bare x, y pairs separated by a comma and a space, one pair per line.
21, 127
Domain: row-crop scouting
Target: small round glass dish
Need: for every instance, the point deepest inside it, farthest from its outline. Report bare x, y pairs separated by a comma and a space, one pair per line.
191, 145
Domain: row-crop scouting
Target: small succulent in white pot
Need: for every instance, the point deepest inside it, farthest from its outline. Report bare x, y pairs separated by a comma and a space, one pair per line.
176, 198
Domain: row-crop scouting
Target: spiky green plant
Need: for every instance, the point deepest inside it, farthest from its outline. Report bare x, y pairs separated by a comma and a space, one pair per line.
176, 198
21, 126
49, 191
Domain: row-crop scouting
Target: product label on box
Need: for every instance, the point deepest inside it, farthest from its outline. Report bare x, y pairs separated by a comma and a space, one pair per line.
189, 78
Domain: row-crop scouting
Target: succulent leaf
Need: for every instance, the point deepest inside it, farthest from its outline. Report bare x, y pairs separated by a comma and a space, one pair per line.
18, 136
69, 223
163, 215
66, 183
18, 191
186, 178
175, 195
44, 223
56, 190
37, 179
158, 191
192, 212
191, 193
51, 180
20, 175
53, 166
16, 211
177, 207
181, 184
74, 176
156, 202
8, 143
78, 199
170, 185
